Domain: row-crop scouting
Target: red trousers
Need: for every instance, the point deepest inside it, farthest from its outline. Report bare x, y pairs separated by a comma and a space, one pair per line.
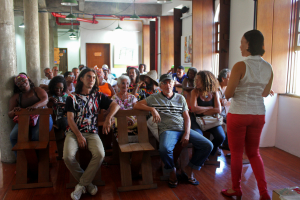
244, 131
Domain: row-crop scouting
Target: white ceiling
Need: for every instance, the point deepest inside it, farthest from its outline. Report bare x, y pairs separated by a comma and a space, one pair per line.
126, 1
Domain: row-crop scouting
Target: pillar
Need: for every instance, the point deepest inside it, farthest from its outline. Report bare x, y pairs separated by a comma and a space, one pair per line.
51, 42
44, 41
7, 70
31, 20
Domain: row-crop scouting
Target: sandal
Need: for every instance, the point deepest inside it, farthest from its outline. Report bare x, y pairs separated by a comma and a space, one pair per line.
172, 184
192, 181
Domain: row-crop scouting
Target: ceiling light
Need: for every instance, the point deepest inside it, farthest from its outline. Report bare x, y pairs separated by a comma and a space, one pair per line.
134, 16
71, 31
72, 36
69, 3
22, 25
164, 1
71, 16
118, 28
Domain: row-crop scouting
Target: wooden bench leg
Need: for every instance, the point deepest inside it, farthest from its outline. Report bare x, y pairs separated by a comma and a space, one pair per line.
136, 160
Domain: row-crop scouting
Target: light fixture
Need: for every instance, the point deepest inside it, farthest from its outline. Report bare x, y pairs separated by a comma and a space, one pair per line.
22, 25
69, 3
71, 30
118, 28
134, 16
72, 36
71, 16
164, 1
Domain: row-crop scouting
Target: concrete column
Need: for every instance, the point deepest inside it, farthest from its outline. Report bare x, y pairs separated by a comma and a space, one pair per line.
44, 41
31, 20
7, 70
51, 42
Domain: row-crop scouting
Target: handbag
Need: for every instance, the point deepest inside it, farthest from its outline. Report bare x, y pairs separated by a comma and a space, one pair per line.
32, 119
208, 122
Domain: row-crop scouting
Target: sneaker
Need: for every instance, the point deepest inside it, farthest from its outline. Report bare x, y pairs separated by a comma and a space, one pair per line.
79, 189
92, 189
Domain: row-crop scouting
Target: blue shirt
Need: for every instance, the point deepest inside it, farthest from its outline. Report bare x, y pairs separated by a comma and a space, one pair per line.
180, 80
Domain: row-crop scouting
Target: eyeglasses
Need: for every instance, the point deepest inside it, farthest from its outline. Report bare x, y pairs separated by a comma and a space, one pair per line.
21, 82
71, 76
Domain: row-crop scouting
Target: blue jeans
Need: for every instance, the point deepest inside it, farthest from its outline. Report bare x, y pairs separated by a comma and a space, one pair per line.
33, 132
217, 132
168, 140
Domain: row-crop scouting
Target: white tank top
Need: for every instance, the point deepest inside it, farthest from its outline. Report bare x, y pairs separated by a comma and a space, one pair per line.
247, 98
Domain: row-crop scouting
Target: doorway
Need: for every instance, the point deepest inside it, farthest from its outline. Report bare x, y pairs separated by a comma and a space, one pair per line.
97, 54
63, 64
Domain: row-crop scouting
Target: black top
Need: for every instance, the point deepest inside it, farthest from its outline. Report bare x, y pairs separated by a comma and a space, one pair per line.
205, 104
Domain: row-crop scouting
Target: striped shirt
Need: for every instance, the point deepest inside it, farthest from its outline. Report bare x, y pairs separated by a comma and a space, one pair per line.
170, 111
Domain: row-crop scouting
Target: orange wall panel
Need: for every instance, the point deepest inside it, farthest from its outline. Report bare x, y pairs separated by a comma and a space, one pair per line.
146, 46
167, 43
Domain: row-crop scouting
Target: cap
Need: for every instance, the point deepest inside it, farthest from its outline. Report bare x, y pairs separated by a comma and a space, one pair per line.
165, 77
104, 67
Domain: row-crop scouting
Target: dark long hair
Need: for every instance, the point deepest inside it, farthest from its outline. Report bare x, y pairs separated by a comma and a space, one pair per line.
54, 81
17, 89
255, 41
79, 84
137, 74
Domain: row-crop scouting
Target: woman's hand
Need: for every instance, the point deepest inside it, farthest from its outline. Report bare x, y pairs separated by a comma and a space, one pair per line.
81, 142
141, 83
53, 100
16, 109
106, 126
185, 139
156, 116
31, 108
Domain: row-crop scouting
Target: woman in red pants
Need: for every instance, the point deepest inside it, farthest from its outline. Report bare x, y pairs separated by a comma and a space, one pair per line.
250, 81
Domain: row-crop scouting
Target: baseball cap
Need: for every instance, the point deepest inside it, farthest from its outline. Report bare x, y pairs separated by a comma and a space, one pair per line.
104, 67
165, 77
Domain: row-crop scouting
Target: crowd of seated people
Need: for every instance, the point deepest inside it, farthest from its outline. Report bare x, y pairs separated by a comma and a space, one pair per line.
172, 115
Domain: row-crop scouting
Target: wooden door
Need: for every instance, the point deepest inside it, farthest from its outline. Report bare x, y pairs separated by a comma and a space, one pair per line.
97, 54
63, 64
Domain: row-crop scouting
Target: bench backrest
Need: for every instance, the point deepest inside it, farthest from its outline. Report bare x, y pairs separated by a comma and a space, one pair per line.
23, 130
141, 123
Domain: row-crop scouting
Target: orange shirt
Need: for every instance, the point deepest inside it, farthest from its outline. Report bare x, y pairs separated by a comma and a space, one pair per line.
105, 89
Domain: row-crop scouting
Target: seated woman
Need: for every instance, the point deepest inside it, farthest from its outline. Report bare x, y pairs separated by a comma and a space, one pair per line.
26, 95
104, 87
69, 77
188, 85
205, 101
126, 101
57, 100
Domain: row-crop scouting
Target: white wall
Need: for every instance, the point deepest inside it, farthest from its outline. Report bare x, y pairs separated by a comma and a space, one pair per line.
20, 45
288, 137
268, 134
241, 20
72, 46
102, 33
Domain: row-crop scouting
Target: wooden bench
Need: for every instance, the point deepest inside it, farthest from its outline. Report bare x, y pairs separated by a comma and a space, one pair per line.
133, 155
33, 156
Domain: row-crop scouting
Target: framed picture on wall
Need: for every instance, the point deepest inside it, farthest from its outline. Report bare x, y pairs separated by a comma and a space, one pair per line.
186, 50
126, 55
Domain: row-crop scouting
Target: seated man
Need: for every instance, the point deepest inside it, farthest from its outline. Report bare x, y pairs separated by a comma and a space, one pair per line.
82, 109
147, 86
45, 81
179, 76
170, 112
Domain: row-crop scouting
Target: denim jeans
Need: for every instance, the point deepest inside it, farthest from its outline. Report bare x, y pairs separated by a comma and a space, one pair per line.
217, 132
168, 140
33, 132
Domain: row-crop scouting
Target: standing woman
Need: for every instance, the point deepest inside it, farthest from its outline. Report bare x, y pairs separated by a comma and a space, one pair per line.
188, 84
249, 82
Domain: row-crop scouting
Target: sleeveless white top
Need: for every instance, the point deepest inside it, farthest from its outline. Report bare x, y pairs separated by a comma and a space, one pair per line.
247, 98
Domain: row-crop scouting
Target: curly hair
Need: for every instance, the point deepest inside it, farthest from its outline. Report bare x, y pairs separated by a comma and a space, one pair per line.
79, 84
54, 81
208, 81
255, 41
17, 89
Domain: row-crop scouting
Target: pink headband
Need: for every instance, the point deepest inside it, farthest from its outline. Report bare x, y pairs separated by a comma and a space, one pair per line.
21, 76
